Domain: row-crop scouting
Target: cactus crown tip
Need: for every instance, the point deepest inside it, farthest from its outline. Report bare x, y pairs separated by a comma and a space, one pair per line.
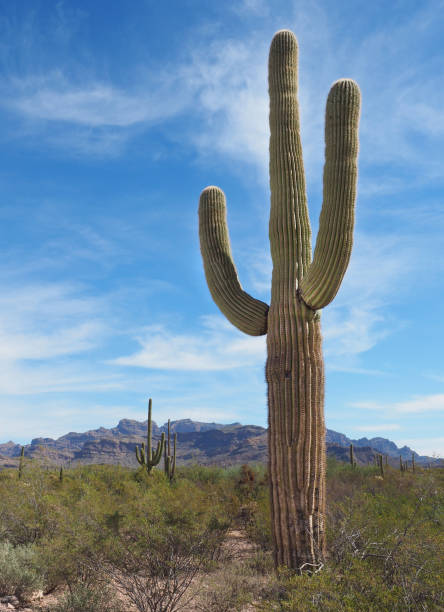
284, 41
284, 33
346, 84
211, 189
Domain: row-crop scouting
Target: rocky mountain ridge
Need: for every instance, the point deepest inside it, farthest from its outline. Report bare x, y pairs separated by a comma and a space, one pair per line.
198, 442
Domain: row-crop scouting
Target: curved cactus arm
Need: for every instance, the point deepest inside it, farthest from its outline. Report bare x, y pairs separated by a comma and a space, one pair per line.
173, 459
246, 313
140, 454
335, 237
157, 455
169, 437
170, 460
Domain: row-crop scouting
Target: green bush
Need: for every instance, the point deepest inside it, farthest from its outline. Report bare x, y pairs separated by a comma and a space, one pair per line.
84, 598
385, 546
19, 571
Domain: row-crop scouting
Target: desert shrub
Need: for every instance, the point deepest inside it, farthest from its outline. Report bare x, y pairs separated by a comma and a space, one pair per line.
330, 591
84, 598
203, 474
19, 571
393, 530
256, 519
107, 519
261, 563
26, 507
154, 566
231, 589
385, 547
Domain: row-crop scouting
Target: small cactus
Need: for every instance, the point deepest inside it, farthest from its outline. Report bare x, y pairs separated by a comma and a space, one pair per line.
352, 457
170, 461
61, 474
381, 465
145, 455
21, 462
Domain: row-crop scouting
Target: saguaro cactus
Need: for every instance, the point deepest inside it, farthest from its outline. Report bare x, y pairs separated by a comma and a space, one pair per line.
145, 455
380, 465
170, 460
21, 462
301, 286
352, 456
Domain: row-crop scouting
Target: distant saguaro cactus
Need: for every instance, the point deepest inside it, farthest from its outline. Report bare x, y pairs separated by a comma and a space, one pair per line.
352, 456
380, 465
21, 462
301, 286
145, 455
170, 460
402, 464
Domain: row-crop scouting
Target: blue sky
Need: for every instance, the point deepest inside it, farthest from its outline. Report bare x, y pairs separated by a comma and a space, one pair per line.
115, 115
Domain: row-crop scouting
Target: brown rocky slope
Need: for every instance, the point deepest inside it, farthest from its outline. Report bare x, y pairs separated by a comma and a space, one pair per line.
203, 443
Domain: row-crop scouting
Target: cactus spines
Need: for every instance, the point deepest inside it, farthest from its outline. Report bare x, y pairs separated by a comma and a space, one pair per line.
145, 455
21, 462
300, 287
170, 460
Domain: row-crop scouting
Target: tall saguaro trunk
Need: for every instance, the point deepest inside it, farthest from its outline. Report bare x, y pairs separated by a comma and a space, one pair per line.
301, 286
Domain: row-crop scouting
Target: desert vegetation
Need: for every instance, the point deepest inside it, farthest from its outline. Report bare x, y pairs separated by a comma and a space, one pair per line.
108, 539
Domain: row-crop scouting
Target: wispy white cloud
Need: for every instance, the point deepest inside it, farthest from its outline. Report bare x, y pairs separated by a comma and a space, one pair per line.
66, 341
54, 418
251, 7
416, 405
229, 83
53, 97
359, 317
378, 428
432, 446
218, 346
21, 378
88, 116
355, 322
437, 377
41, 326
